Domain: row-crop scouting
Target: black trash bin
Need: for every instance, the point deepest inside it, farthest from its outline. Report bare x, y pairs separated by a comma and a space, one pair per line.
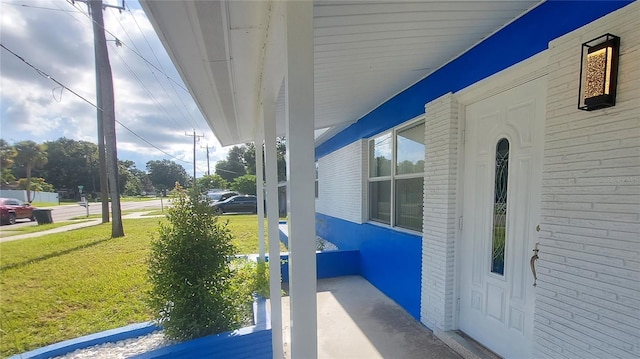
43, 216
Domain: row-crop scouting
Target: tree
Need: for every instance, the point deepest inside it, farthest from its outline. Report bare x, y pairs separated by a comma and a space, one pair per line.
212, 181
233, 166
71, 164
164, 174
30, 155
38, 184
130, 185
245, 184
7, 156
192, 292
249, 158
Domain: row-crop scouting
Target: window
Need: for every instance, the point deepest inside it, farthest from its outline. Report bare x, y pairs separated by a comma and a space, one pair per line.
396, 176
500, 207
317, 180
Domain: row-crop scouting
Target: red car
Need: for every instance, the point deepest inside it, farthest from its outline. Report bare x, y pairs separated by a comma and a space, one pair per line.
12, 209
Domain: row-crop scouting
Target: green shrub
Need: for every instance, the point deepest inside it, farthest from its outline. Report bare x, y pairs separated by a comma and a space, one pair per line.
250, 278
193, 286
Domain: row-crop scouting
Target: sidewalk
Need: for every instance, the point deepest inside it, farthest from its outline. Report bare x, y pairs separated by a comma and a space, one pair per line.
72, 226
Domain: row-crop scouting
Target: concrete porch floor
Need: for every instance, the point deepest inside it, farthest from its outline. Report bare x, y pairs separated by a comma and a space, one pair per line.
356, 320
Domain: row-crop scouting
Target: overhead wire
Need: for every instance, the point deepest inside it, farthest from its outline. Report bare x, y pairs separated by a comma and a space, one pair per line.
149, 63
144, 36
49, 77
135, 50
36, 7
132, 50
188, 114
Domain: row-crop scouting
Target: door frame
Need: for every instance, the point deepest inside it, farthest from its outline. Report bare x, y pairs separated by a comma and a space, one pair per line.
533, 68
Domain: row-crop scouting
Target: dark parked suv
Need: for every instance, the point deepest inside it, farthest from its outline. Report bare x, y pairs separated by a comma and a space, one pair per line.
238, 204
221, 196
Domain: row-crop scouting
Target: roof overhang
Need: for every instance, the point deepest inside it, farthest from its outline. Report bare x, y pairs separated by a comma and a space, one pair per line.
230, 54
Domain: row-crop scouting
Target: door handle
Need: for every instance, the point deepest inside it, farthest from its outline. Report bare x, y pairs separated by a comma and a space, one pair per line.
532, 263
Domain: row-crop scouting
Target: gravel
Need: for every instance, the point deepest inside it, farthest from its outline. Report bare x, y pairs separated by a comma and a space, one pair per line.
121, 349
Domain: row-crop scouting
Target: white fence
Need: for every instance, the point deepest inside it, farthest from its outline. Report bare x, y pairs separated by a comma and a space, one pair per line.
36, 196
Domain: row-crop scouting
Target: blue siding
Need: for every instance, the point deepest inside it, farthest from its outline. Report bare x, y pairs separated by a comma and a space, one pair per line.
522, 39
389, 259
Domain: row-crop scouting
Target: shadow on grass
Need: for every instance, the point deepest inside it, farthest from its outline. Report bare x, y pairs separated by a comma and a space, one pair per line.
51, 255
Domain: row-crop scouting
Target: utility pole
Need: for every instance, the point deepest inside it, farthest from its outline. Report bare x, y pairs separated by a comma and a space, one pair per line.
104, 81
208, 166
195, 137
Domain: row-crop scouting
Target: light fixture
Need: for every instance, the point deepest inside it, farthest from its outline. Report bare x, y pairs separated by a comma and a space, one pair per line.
599, 73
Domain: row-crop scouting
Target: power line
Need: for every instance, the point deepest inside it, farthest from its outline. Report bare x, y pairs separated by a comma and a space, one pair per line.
149, 63
37, 7
132, 50
162, 67
47, 76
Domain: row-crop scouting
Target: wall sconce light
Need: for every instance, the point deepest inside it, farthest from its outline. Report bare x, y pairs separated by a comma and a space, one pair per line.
599, 73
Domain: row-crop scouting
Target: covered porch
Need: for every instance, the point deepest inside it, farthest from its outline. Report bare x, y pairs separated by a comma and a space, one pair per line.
307, 70
356, 320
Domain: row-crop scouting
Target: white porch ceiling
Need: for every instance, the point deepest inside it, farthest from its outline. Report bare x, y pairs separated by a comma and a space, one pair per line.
365, 52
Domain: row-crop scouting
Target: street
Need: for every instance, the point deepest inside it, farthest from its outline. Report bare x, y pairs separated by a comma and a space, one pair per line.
67, 211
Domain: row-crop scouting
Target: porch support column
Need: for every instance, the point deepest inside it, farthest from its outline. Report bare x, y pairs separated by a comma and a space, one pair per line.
440, 216
260, 191
299, 113
273, 215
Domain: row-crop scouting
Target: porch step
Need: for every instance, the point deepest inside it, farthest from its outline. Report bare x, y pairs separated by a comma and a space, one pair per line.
465, 346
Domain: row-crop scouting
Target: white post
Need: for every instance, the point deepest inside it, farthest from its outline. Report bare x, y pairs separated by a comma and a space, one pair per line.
260, 191
299, 113
271, 166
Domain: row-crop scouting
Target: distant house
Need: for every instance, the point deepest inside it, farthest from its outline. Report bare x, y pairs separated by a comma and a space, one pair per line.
453, 156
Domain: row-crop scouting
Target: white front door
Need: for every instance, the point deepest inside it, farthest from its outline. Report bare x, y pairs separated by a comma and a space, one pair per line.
502, 180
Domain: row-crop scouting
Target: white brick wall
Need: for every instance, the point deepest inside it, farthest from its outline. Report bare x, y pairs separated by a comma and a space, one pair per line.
438, 244
340, 182
588, 294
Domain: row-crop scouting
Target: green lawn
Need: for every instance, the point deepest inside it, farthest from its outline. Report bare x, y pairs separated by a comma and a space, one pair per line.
66, 285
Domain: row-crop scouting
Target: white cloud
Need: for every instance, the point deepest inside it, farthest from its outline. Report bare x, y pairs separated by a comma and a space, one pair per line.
60, 43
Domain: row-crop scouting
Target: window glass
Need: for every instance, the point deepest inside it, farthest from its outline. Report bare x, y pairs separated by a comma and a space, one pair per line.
410, 150
380, 150
409, 203
380, 201
500, 207
317, 191
396, 176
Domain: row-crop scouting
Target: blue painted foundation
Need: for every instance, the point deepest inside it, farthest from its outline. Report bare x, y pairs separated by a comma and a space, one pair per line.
329, 264
388, 259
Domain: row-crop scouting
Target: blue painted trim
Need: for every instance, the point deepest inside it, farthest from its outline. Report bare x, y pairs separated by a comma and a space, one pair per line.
108, 336
523, 38
242, 343
257, 333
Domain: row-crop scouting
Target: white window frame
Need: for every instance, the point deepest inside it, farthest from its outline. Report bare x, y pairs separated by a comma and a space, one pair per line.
393, 177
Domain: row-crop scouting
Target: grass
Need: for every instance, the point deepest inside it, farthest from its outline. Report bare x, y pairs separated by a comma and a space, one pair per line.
245, 232
15, 230
66, 285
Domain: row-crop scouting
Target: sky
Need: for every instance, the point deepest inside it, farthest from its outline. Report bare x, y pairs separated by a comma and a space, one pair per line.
151, 100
